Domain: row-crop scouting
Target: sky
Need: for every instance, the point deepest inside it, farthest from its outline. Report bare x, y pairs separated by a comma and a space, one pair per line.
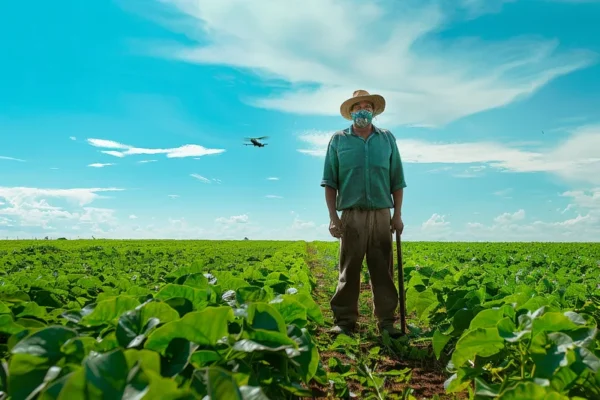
127, 119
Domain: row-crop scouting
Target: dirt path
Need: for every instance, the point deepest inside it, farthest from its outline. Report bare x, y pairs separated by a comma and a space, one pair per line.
367, 363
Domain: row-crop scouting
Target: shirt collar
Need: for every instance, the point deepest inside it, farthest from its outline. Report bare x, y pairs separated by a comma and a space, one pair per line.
350, 131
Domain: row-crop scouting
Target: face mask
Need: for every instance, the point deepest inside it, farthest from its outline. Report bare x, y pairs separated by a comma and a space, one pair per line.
362, 118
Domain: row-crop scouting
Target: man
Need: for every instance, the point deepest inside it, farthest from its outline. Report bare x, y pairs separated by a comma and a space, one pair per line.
363, 178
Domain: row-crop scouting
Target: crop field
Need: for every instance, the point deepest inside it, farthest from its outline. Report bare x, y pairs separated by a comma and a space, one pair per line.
100, 319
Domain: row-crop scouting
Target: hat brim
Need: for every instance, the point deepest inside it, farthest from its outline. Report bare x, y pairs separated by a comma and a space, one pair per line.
377, 100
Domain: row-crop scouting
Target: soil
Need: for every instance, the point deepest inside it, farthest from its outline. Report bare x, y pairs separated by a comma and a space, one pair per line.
427, 374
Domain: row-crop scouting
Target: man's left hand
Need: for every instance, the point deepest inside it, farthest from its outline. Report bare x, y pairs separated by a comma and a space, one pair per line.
397, 224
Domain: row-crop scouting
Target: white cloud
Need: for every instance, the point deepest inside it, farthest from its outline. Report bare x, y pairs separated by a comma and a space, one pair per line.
310, 46
31, 207
174, 196
133, 216
11, 159
72, 138
188, 150
436, 221
507, 218
100, 165
146, 161
582, 228
575, 158
272, 178
586, 199
235, 219
273, 196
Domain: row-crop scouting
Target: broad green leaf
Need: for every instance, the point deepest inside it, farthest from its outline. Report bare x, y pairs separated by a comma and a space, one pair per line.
201, 358
524, 390
439, 342
292, 311
461, 320
107, 372
4, 309
534, 303
132, 329
420, 301
108, 311
196, 280
483, 342
249, 346
482, 388
216, 383
249, 294
507, 330
308, 359
8, 326
149, 360
181, 305
25, 373
204, 327
265, 317
159, 310
198, 297
46, 343
74, 387
177, 356
312, 308
557, 321
29, 309
487, 318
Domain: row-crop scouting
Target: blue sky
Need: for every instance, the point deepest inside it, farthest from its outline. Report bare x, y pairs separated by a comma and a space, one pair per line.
126, 119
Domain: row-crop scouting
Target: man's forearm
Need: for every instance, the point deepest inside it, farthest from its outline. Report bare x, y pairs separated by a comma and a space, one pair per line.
330, 199
398, 197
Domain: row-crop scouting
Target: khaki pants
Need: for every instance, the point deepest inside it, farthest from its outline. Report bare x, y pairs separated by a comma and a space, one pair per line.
365, 233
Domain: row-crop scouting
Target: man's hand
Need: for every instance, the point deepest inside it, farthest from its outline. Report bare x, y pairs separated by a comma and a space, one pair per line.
335, 226
397, 224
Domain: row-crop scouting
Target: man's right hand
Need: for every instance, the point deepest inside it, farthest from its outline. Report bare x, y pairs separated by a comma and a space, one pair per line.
335, 226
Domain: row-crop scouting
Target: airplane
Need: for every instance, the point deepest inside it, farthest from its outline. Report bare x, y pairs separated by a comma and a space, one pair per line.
256, 141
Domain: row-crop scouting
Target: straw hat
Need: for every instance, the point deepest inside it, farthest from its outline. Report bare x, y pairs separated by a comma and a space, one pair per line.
362, 95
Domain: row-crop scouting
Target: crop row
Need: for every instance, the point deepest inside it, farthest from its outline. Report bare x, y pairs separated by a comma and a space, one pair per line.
507, 320
158, 322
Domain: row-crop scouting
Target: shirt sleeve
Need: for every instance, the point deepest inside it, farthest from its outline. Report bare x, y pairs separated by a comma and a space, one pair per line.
330, 167
397, 180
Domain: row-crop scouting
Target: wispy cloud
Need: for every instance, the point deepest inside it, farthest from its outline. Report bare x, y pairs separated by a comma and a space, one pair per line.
11, 159
188, 150
272, 196
503, 192
146, 161
235, 219
100, 165
575, 158
427, 81
72, 138
200, 178
174, 196
272, 178
113, 153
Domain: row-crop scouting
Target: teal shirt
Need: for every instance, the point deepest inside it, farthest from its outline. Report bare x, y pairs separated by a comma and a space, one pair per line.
365, 172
